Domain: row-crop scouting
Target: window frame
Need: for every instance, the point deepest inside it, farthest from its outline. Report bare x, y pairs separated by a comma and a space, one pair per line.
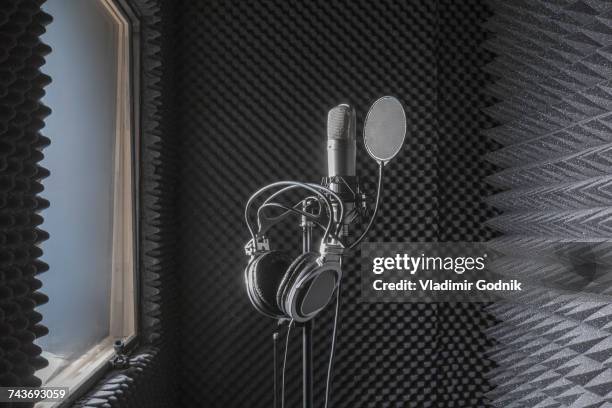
127, 138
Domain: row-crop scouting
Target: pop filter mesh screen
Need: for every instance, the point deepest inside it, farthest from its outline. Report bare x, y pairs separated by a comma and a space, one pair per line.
384, 129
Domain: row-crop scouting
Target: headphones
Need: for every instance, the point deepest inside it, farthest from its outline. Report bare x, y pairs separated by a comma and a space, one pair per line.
284, 288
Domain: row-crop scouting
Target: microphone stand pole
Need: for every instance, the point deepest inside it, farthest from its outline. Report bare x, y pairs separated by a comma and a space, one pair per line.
307, 368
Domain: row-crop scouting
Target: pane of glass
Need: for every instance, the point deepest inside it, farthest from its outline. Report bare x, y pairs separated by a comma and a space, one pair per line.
82, 130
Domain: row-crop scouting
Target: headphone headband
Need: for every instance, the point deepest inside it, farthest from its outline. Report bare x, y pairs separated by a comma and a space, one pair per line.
289, 185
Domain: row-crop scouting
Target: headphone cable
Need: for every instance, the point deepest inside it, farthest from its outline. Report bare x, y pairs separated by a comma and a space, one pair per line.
294, 184
316, 186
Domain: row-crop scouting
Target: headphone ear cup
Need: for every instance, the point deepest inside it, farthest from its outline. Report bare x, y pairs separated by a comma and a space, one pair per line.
248, 280
264, 275
290, 276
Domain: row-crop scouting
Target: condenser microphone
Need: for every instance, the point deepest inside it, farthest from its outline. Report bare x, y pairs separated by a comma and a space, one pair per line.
341, 142
341, 158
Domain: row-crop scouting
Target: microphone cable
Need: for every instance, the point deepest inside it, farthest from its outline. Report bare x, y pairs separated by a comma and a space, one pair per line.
330, 365
275, 336
381, 166
288, 336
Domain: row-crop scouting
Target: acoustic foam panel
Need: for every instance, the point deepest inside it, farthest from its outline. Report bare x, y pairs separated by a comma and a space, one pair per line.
254, 83
462, 188
21, 119
152, 378
555, 109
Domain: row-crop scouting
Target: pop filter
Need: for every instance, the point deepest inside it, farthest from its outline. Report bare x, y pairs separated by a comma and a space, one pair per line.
384, 130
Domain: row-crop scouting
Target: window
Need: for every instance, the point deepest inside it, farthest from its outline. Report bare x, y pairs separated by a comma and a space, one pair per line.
90, 251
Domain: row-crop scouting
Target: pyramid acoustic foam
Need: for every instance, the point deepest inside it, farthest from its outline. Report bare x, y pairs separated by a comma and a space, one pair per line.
554, 91
21, 144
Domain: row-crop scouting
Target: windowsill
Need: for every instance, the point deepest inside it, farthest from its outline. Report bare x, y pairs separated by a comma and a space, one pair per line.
61, 373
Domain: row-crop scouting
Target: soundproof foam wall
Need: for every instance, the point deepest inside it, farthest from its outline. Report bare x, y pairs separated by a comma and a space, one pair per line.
21, 119
554, 94
254, 83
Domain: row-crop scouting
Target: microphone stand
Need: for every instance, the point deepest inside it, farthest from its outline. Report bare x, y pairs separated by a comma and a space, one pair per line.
307, 368
307, 226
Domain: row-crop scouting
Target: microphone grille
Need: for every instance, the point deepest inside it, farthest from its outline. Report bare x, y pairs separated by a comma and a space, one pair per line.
341, 123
